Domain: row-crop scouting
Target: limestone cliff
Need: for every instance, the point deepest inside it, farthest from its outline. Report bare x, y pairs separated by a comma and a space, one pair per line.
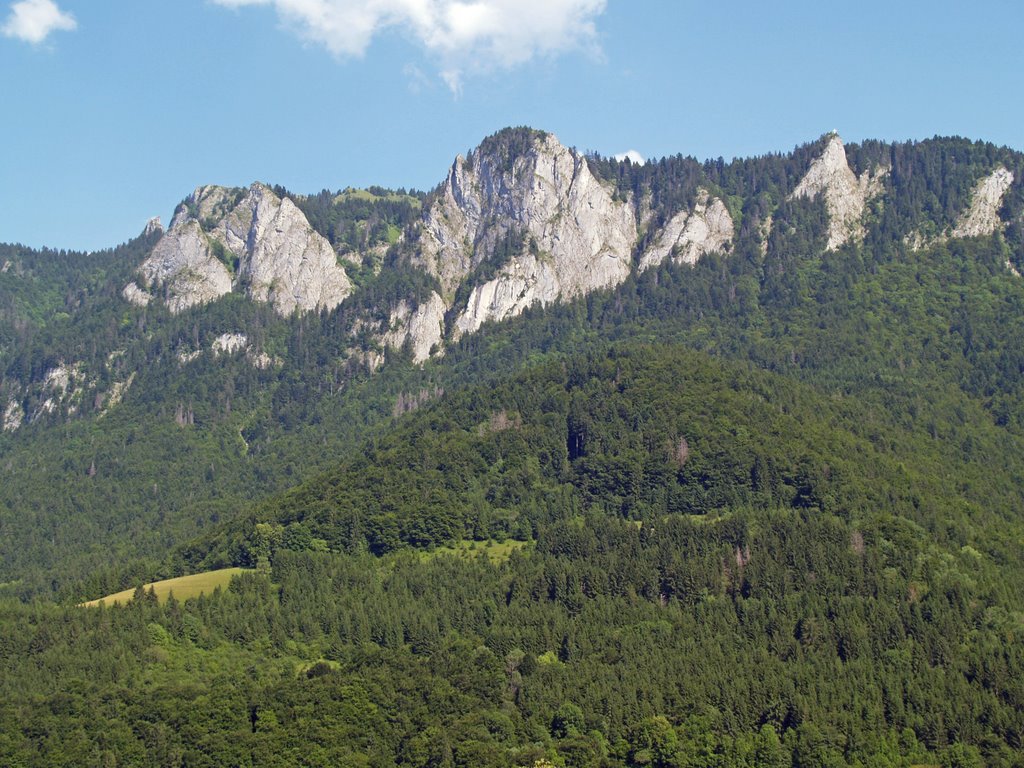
135, 295
422, 327
229, 343
253, 241
576, 237
116, 394
182, 269
690, 234
845, 194
525, 281
289, 264
982, 216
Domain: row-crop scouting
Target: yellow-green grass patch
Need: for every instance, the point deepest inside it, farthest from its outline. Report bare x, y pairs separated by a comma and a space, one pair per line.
497, 551
183, 587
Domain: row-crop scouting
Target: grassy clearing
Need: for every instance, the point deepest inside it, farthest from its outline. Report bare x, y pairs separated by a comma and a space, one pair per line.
497, 551
365, 194
183, 587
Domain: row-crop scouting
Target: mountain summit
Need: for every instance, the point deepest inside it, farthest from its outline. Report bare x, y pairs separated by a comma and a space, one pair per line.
222, 240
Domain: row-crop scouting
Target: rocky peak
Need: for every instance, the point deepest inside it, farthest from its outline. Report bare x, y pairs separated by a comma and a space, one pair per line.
524, 184
845, 194
153, 227
289, 264
224, 239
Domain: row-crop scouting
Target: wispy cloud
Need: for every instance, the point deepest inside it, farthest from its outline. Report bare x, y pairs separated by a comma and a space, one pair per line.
463, 37
632, 155
34, 20
417, 78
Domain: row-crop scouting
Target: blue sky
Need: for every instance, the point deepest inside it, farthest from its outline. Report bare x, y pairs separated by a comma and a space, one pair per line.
113, 111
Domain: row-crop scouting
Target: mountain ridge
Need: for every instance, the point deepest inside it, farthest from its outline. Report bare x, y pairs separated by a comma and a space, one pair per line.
525, 184
756, 478
249, 388
501, 234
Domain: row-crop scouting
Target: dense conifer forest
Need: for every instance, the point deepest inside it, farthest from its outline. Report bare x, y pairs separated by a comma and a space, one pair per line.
765, 510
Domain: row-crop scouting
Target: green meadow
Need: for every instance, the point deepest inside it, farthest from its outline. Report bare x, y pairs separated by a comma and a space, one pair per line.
183, 587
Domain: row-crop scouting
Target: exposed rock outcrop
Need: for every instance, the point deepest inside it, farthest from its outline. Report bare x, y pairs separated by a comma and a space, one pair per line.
229, 343
982, 216
135, 295
576, 237
13, 416
262, 360
183, 268
422, 327
524, 282
845, 194
764, 233
117, 393
253, 241
290, 265
689, 235
61, 386
153, 227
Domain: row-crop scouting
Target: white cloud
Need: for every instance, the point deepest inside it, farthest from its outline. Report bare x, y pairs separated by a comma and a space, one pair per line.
464, 36
34, 20
631, 155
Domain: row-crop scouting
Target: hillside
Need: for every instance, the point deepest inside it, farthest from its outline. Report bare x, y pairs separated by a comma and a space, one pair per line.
232, 391
748, 436
725, 563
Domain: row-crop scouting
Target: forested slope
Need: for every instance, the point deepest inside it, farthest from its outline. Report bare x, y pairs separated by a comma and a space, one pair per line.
724, 566
764, 509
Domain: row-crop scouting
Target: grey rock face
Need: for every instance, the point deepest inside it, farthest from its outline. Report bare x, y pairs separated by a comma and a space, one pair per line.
422, 327
183, 268
117, 393
289, 264
13, 416
153, 226
524, 282
61, 386
135, 295
692, 234
577, 238
982, 216
223, 240
229, 343
845, 195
